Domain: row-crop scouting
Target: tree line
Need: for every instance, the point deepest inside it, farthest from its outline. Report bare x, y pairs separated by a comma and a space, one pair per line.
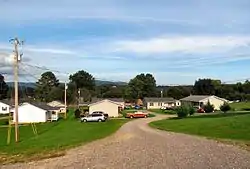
48, 88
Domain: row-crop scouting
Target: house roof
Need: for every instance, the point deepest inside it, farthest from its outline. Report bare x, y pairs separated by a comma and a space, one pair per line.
58, 103
195, 98
7, 102
159, 99
94, 100
103, 101
43, 106
116, 99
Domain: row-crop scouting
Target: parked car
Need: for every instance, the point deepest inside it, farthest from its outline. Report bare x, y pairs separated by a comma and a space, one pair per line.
138, 107
138, 114
100, 112
201, 110
94, 118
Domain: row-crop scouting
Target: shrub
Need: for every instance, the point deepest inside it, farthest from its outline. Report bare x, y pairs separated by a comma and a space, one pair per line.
77, 113
209, 107
182, 111
191, 110
225, 107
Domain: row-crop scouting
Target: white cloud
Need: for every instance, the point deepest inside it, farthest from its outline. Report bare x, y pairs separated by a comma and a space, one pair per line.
49, 50
183, 44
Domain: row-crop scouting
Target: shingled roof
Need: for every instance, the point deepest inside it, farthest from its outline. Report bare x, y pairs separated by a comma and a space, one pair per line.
159, 99
43, 106
195, 98
7, 102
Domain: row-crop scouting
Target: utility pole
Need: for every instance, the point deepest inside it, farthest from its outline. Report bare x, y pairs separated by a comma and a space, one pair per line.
65, 99
79, 95
17, 59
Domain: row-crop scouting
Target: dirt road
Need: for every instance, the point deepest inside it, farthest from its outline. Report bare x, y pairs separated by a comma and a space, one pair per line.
137, 146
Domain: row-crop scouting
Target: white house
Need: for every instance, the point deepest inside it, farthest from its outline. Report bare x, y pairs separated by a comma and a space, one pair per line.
157, 103
35, 113
201, 100
106, 106
5, 106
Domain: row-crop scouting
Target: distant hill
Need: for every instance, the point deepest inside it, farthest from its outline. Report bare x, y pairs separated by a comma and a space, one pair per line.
98, 83
22, 84
101, 82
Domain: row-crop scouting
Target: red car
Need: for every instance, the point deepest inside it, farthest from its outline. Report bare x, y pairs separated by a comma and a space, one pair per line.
201, 110
138, 114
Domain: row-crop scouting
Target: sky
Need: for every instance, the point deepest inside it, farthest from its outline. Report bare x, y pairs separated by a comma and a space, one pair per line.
177, 41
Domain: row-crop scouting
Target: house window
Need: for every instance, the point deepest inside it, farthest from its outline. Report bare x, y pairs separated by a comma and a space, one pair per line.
4, 108
159, 104
151, 104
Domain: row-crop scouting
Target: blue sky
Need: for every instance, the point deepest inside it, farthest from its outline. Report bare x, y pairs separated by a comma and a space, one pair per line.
177, 41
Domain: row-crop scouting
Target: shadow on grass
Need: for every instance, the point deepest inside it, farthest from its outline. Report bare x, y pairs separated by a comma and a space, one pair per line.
212, 115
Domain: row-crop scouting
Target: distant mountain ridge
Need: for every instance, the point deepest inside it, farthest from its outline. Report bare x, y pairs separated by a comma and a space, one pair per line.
98, 83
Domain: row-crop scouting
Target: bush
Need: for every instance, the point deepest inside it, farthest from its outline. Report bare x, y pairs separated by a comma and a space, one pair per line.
225, 107
77, 113
191, 110
209, 108
182, 111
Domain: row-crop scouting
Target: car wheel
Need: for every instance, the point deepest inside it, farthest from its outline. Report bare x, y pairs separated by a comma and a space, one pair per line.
145, 116
100, 120
84, 120
131, 117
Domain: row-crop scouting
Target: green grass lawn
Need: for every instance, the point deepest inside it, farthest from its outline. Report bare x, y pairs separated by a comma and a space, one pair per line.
241, 106
53, 138
232, 126
159, 111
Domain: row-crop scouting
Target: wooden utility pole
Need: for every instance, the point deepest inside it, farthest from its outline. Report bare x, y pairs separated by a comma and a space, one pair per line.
65, 100
17, 59
79, 95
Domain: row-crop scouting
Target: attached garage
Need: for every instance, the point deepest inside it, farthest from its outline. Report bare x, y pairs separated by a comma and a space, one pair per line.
106, 106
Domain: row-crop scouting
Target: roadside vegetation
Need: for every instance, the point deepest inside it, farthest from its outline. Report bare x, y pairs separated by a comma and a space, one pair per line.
53, 138
232, 126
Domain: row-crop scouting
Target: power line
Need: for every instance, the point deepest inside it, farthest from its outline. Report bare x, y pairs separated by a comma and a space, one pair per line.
57, 71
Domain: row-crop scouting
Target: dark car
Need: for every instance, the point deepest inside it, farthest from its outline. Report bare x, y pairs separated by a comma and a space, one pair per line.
100, 112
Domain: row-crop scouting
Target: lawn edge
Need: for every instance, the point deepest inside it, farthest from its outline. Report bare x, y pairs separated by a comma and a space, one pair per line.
245, 145
54, 153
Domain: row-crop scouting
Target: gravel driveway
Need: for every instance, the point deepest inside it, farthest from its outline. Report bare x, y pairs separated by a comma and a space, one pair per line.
137, 146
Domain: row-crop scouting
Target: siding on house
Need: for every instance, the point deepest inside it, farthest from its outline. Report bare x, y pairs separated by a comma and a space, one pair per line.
106, 106
28, 113
4, 108
157, 103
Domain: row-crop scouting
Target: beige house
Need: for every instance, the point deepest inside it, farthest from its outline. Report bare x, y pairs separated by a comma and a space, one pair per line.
201, 100
158, 103
57, 104
106, 106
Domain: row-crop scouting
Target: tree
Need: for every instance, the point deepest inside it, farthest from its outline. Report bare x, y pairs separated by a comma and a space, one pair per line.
178, 92
209, 108
45, 84
56, 93
83, 79
143, 85
225, 107
206, 86
3, 88
110, 91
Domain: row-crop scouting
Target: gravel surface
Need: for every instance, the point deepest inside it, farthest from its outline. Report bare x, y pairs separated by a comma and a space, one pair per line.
137, 146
